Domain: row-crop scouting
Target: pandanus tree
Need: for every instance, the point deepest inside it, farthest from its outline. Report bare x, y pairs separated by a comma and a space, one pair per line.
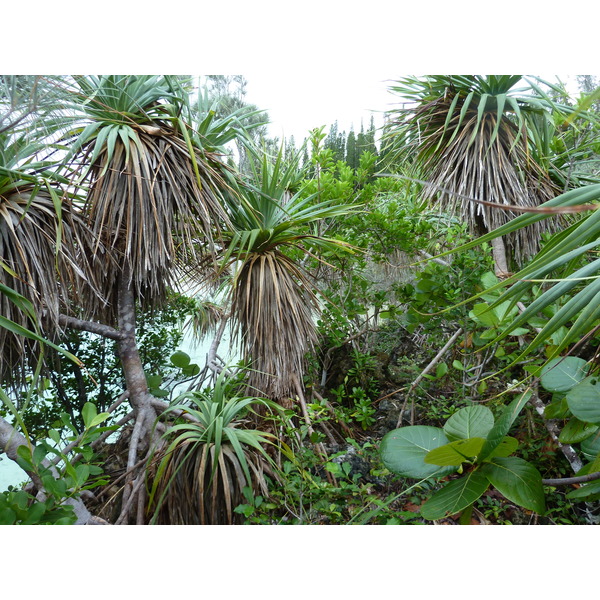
473, 139
153, 202
272, 295
150, 187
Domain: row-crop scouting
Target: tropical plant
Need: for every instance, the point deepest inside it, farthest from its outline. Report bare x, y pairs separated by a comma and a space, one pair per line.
273, 299
576, 397
472, 136
473, 445
154, 194
44, 247
569, 253
201, 475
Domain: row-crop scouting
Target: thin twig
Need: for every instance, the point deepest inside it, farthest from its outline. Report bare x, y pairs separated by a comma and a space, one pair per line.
428, 368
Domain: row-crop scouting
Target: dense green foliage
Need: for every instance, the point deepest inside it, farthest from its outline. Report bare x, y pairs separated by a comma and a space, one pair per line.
350, 280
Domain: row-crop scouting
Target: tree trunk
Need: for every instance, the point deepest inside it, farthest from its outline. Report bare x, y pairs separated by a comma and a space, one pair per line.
141, 443
500, 262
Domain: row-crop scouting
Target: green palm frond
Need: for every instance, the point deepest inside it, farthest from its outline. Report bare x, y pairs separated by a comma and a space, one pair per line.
551, 279
214, 129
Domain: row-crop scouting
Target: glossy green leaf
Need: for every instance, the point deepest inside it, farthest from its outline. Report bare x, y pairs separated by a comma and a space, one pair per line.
506, 447
455, 496
503, 425
88, 412
561, 374
590, 447
403, 451
584, 400
99, 418
180, 359
455, 453
469, 422
576, 431
517, 480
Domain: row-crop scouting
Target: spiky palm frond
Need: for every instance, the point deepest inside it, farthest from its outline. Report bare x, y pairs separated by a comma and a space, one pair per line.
274, 306
154, 195
486, 170
574, 295
472, 136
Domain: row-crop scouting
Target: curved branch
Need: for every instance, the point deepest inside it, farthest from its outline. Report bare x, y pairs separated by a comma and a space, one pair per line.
91, 326
572, 480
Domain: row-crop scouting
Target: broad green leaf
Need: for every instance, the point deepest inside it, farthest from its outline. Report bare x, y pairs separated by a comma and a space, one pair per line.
180, 359
154, 381
518, 331
441, 370
558, 408
482, 313
576, 431
469, 422
584, 400
403, 451
24, 457
99, 418
517, 480
88, 412
590, 447
455, 453
39, 454
506, 447
455, 496
503, 425
7, 516
191, 370
561, 374
489, 280
82, 474
590, 491
54, 436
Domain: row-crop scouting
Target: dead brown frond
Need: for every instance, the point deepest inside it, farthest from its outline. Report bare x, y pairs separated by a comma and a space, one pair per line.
273, 306
150, 210
499, 170
44, 257
190, 496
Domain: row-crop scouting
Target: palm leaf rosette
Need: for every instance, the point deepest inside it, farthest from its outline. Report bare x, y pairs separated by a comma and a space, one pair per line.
473, 137
207, 465
44, 247
154, 193
272, 296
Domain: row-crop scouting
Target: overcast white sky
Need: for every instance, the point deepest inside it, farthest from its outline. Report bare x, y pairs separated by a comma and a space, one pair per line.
297, 103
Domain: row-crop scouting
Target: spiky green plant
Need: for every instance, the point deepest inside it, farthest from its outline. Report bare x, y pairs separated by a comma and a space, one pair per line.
472, 136
576, 291
273, 298
200, 474
44, 248
153, 198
